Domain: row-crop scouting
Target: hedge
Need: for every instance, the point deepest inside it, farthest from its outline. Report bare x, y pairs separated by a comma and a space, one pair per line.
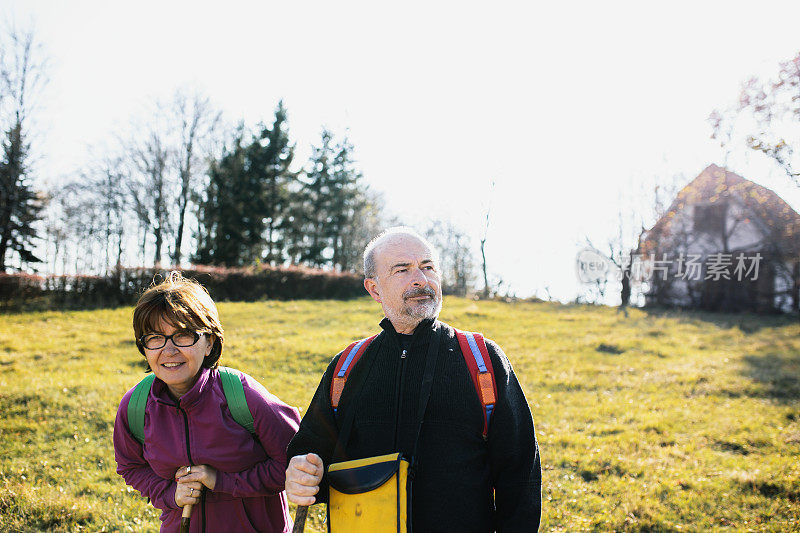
123, 286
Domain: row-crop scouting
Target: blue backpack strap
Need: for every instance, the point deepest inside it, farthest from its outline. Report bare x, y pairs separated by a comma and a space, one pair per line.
473, 349
347, 361
234, 395
136, 406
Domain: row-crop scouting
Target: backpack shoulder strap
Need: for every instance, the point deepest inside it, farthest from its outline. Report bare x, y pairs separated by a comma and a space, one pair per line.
137, 405
234, 395
473, 349
347, 361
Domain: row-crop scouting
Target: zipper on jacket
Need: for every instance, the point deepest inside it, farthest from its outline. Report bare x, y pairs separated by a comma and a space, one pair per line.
191, 462
186, 427
398, 392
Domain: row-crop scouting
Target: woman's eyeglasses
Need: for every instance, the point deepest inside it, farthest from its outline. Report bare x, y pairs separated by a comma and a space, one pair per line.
181, 339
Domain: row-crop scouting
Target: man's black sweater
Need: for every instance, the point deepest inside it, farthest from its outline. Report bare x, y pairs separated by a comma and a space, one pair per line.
456, 469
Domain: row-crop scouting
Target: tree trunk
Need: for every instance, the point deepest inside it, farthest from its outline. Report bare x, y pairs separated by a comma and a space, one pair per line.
119, 248
158, 219
5, 223
269, 242
273, 210
186, 175
108, 242
159, 242
4, 238
144, 246
176, 258
55, 255
485, 277
11, 196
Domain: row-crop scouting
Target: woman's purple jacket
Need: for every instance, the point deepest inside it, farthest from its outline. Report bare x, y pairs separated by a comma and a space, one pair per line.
199, 429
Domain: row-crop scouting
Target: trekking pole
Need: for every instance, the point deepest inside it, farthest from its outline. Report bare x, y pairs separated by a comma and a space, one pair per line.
300, 519
185, 516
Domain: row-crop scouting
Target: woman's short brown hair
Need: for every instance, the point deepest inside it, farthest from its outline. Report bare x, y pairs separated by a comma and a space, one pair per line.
183, 303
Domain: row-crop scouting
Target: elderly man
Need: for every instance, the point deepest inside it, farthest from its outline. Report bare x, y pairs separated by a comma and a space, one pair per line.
466, 478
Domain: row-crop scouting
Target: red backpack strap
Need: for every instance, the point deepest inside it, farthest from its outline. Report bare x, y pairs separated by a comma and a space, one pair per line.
473, 348
347, 361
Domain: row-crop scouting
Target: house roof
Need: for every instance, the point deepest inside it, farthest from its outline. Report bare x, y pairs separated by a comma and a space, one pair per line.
716, 184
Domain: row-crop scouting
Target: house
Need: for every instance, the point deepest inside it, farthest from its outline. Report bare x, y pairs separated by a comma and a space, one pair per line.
725, 244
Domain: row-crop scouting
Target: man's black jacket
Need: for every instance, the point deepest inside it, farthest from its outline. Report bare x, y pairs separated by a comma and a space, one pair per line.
456, 468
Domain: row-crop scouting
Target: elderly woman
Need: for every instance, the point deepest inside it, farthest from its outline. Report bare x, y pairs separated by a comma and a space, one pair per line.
187, 448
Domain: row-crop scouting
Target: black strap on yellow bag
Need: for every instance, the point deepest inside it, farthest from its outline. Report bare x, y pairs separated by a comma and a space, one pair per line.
373, 495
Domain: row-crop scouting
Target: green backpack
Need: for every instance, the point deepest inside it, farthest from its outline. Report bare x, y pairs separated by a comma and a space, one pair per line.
231, 386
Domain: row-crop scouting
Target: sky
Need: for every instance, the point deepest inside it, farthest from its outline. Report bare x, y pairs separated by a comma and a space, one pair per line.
566, 107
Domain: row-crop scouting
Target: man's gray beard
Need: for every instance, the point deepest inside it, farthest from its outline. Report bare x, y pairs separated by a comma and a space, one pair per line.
421, 311
415, 314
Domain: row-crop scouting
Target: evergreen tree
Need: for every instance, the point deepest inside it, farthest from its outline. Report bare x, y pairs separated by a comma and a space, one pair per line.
230, 228
312, 204
346, 203
20, 206
335, 215
268, 159
245, 215
295, 225
255, 207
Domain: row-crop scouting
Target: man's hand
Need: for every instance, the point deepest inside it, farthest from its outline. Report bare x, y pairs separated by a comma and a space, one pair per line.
303, 477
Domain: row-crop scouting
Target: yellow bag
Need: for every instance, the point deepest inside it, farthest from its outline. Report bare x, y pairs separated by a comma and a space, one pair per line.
369, 495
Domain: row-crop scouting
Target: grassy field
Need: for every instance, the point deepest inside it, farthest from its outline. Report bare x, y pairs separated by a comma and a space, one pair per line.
660, 421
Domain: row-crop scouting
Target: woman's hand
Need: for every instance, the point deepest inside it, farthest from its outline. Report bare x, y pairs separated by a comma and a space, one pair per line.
200, 474
188, 493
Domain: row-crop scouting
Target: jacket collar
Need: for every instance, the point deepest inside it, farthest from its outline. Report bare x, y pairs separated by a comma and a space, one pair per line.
421, 335
160, 391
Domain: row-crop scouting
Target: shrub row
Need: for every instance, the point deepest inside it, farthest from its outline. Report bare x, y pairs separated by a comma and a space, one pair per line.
123, 286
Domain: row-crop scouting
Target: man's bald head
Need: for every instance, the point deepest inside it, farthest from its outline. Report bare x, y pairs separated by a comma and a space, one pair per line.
395, 234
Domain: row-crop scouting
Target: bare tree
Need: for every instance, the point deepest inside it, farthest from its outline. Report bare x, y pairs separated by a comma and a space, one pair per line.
150, 188
81, 226
455, 256
56, 234
768, 114
165, 164
483, 246
195, 120
101, 186
368, 219
642, 204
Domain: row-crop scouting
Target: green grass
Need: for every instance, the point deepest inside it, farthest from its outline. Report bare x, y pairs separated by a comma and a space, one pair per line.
662, 421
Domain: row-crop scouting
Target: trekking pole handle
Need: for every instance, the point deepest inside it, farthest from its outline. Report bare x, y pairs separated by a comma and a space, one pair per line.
300, 519
185, 516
